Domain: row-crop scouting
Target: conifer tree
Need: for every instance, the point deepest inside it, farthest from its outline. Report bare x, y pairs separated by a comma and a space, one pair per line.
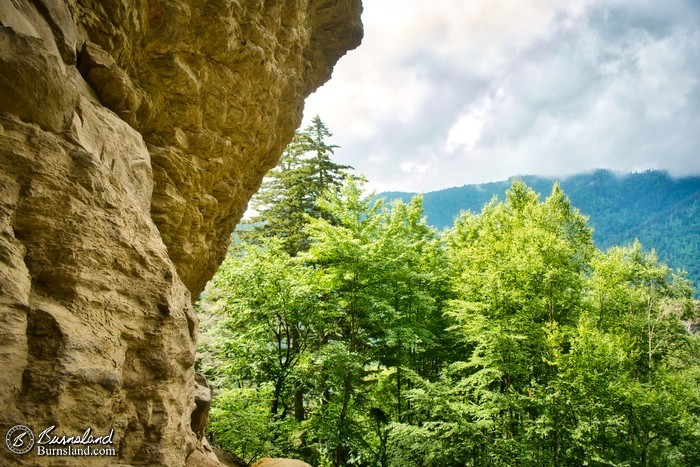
287, 198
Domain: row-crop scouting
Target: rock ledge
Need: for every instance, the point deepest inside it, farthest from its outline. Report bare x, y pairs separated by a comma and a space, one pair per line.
132, 135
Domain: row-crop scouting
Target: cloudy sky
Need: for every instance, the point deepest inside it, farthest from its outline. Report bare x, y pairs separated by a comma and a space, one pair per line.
448, 92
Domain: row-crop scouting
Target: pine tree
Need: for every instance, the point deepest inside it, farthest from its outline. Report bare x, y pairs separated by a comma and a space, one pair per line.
287, 198
324, 172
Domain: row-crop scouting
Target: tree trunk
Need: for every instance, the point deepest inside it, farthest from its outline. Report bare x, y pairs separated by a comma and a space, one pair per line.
276, 397
299, 411
398, 391
341, 451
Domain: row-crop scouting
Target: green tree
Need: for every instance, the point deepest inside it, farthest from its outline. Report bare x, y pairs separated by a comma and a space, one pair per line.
342, 251
324, 173
383, 269
634, 293
519, 269
239, 422
287, 197
330, 331
269, 319
644, 304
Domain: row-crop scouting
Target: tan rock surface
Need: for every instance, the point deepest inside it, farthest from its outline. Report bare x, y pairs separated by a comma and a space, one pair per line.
278, 462
132, 135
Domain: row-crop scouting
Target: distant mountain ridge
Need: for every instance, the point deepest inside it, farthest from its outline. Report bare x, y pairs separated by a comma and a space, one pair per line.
661, 211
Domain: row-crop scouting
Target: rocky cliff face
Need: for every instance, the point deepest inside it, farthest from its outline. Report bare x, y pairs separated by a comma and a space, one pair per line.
132, 135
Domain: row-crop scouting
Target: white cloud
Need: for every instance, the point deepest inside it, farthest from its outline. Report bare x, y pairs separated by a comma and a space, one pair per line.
467, 131
411, 167
450, 92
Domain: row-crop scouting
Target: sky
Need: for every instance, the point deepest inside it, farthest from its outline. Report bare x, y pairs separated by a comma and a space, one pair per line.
445, 93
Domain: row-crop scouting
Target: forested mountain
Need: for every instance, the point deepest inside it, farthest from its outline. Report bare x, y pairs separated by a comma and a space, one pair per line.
661, 211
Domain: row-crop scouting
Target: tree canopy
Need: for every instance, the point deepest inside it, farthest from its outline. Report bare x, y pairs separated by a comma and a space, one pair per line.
287, 197
508, 339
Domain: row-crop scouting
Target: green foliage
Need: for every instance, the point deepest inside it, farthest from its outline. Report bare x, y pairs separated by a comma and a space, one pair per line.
240, 422
287, 197
332, 330
661, 211
507, 340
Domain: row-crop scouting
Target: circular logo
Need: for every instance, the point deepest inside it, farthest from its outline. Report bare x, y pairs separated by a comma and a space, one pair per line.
19, 439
